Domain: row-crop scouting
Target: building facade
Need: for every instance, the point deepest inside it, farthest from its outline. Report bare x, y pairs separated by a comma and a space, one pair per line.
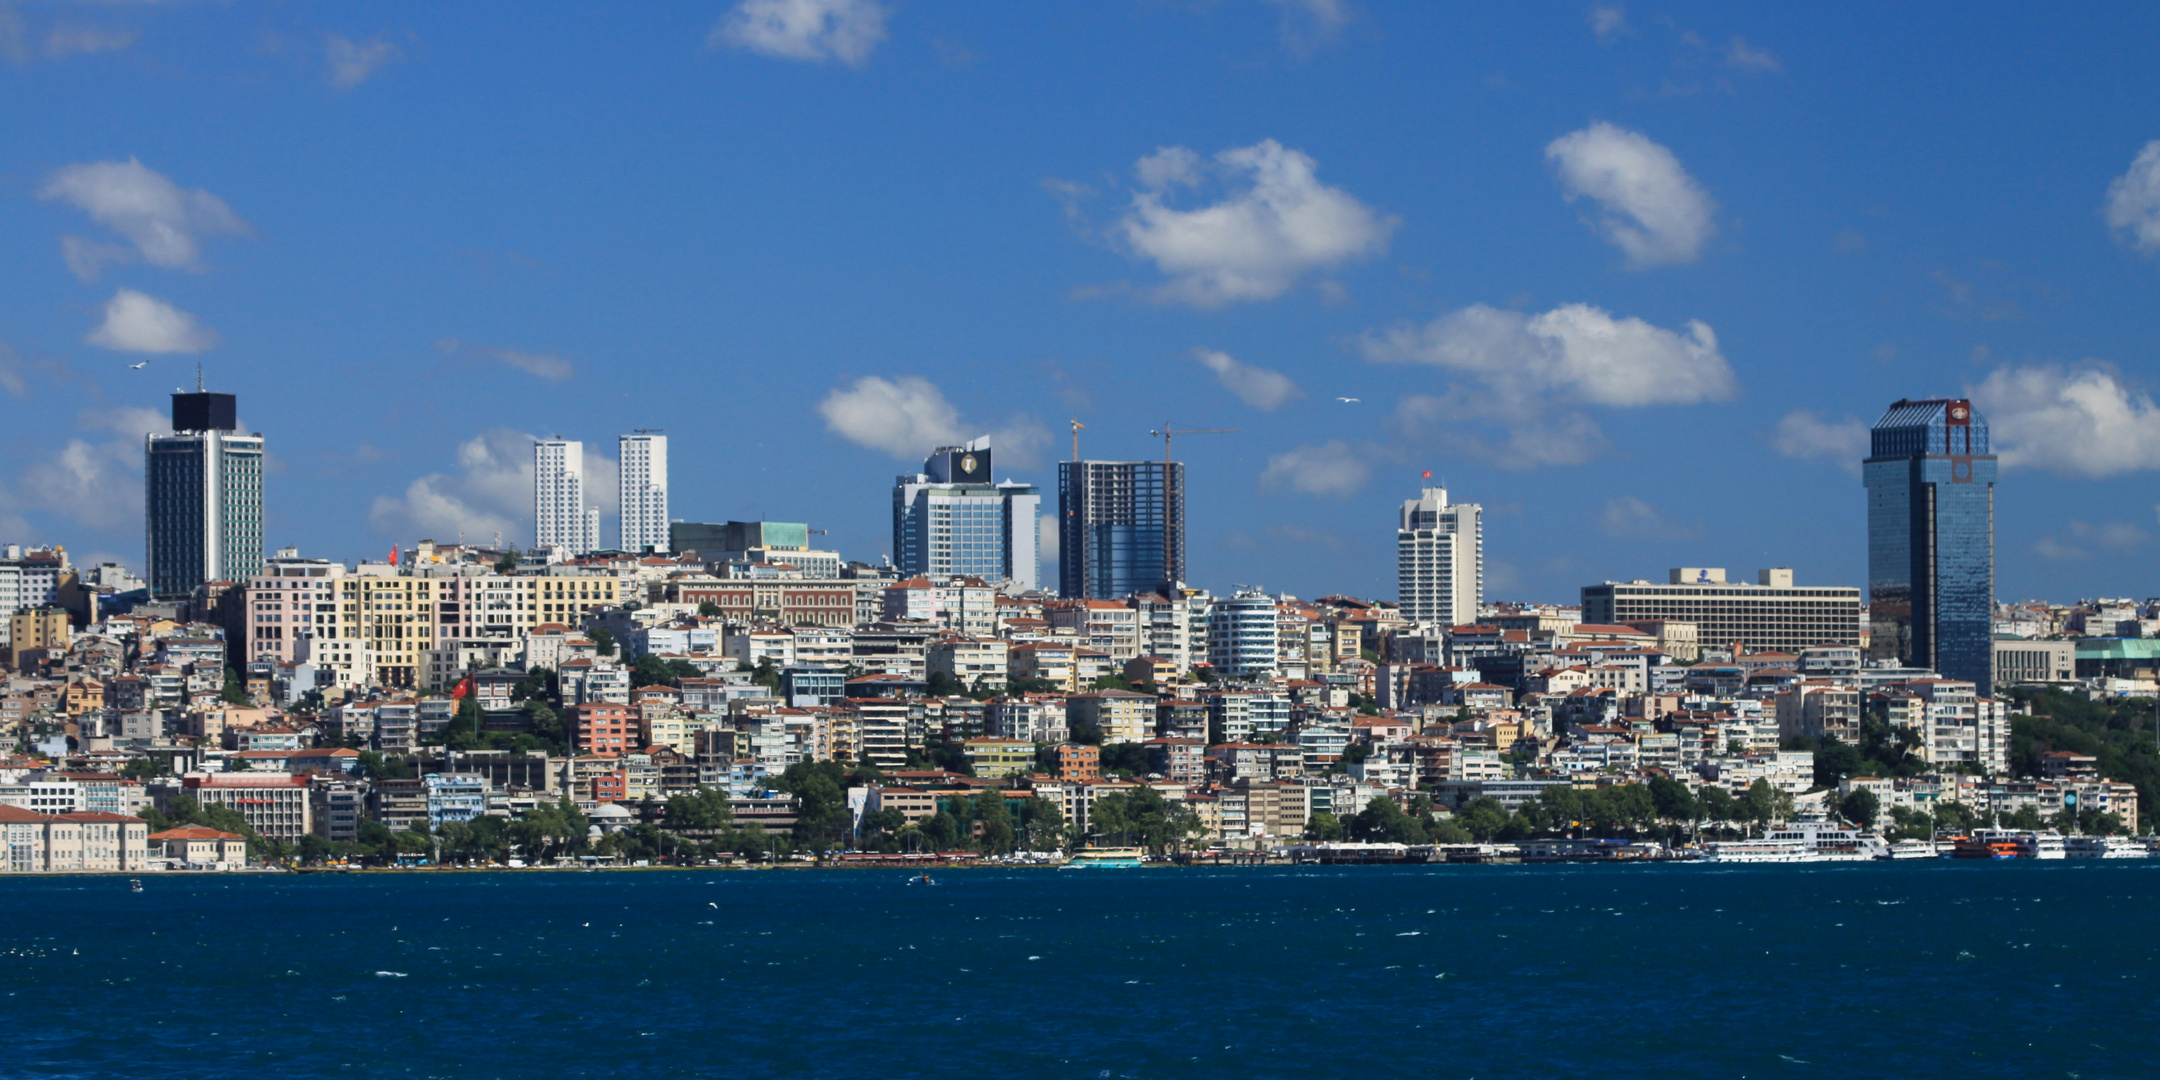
1440, 560
1930, 479
642, 475
1772, 614
953, 519
1118, 522
202, 497
560, 517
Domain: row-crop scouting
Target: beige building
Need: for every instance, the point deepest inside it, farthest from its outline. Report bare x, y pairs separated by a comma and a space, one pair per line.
91, 841
40, 628
974, 661
200, 847
1123, 716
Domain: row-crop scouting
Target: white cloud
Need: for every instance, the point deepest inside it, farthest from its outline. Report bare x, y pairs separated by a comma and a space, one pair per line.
843, 30
1653, 209
165, 223
2081, 539
1255, 386
2133, 201
1802, 434
1738, 54
69, 40
96, 484
1329, 470
1309, 24
1529, 375
1631, 518
491, 492
2076, 421
1608, 22
908, 417
135, 322
348, 63
547, 366
1275, 224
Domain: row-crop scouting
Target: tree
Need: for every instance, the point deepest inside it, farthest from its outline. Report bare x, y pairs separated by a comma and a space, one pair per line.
1955, 816
1911, 824
1384, 822
766, 674
1861, 808
1484, 818
2025, 818
650, 670
1760, 803
603, 640
1141, 817
1324, 827
1124, 759
820, 804
1673, 800
1717, 804
997, 823
145, 767
234, 693
709, 610
704, 810
1112, 682
506, 563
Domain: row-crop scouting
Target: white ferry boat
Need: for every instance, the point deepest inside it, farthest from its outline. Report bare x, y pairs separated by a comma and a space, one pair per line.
1912, 849
1834, 843
1757, 851
2105, 847
2029, 845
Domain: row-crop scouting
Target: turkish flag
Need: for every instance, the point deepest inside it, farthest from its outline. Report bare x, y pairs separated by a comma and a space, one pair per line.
464, 687
393, 554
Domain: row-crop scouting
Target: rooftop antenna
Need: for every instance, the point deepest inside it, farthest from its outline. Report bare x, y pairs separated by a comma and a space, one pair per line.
198, 377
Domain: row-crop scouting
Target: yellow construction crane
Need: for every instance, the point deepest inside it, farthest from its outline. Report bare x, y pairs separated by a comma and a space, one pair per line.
1169, 528
1076, 425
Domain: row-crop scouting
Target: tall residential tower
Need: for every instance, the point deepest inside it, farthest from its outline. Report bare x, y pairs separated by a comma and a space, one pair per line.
202, 497
1112, 517
1930, 480
560, 517
1440, 560
952, 519
642, 470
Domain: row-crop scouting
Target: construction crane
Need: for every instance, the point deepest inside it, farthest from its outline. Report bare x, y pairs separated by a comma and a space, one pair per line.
1169, 529
1076, 426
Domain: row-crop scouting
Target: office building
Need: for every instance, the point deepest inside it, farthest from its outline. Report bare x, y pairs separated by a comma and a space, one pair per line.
709, 539
1930, 480
642, 469
202, 497
1440, 560
1116, 528
1771, 614
560, 516
953, 520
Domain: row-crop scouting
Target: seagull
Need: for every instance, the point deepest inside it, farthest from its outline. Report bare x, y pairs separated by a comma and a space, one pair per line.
138, 367
1347, 400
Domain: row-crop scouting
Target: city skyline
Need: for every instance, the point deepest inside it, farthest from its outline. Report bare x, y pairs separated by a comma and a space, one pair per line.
430, 287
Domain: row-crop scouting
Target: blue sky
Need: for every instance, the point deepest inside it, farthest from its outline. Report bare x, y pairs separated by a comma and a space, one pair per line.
1634, 276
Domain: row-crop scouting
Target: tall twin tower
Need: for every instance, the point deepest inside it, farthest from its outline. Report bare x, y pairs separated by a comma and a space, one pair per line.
561, 517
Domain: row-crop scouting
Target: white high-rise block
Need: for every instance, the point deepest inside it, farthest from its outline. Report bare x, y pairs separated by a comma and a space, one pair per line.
643, 470
1440, 560
560, 517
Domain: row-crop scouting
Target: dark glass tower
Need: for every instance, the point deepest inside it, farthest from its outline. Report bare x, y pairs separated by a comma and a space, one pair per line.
202, 497
1111, 519
1931, 540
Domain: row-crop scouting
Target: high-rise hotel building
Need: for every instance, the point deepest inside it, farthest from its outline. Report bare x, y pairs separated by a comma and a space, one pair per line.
1930, 478
953, 519
642, 469
560, 517
202, 497
1440, 560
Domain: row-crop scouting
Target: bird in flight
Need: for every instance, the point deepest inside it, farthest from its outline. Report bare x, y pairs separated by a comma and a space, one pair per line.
134, 367
1347, 400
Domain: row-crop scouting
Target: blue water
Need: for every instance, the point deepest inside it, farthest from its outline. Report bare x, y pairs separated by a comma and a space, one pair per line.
1914, 969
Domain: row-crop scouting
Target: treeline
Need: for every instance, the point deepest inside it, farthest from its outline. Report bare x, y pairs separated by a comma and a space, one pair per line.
2119, 732
1662, 809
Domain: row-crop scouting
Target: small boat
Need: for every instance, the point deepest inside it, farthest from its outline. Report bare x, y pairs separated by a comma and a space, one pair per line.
1986, 844
1911, 849
921, 879
1106, 859
134, 884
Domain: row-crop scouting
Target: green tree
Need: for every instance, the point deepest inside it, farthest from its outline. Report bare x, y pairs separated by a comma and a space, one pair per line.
820, 804
1484, 818
146, 767
766, 674
1141, 817
1861, 807
1124, 759
234, 693
1911, 824
997, 823
1718, 805
603, 640
1324, 827
1760, 803
1955, 817
709, 610
704, 810
2025, 818
1384, 822
942, 830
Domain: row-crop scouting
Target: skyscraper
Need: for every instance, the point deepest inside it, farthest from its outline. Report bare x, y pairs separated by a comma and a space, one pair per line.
1931, 540
952, 519
642, 470
560, 517
1440, 560
1112, 518
202, 497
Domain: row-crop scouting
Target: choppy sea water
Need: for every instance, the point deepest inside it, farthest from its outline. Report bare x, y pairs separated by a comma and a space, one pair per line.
1911, 969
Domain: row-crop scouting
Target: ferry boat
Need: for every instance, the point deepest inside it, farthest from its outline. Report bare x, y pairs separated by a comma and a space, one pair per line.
1988, 844
1912, 849
2104, 847
1757, 851
1829, 842
1116, 858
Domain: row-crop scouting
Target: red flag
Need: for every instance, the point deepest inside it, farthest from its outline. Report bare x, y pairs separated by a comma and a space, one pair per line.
393, 554
1428, 476
464, 687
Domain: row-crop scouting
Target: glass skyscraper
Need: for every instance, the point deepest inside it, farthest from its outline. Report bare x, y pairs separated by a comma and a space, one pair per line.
202, 497
1931, 540
951, 519
1111, 519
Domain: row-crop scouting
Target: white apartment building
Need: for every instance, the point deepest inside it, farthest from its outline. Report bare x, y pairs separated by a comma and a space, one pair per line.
1241, 634
1440, 560
560, 517
642, 468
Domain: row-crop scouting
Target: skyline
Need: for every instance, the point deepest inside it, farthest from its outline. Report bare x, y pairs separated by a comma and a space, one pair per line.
1674, 258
